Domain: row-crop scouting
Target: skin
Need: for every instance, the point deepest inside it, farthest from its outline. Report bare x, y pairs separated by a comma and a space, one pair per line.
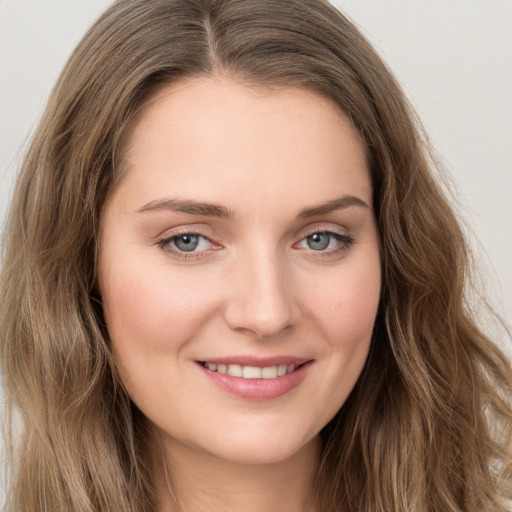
253, 285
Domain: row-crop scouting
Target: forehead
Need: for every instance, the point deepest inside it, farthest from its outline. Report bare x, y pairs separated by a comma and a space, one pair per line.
217, 137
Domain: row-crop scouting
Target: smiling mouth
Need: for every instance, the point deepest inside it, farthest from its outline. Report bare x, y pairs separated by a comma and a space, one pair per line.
252, 372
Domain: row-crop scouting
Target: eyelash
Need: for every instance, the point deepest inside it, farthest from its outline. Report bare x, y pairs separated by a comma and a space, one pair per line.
345, 241
183, 255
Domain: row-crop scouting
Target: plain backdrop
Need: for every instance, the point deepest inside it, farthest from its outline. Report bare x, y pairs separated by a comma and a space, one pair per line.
453, 58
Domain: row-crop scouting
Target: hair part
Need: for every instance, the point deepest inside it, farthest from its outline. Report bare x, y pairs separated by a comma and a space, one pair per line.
428, 425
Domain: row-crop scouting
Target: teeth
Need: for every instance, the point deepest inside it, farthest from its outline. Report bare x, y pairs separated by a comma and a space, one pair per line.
235, 370
251, 372
281, 370
269, 372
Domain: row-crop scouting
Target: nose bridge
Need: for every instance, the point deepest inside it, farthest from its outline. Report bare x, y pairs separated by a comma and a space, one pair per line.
262, 302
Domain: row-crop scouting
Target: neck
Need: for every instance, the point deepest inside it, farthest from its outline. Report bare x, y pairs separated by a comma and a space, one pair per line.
201, 482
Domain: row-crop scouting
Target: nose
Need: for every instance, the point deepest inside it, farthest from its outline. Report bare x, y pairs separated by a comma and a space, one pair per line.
262, 302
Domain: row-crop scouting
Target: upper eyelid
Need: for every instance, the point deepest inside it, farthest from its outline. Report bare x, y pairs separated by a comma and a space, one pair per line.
207, 233
323, 228
185, 230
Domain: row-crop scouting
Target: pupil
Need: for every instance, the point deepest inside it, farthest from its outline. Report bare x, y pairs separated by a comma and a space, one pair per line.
318, 241
187, 242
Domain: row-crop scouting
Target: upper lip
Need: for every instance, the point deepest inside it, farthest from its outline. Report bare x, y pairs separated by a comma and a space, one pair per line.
257, 361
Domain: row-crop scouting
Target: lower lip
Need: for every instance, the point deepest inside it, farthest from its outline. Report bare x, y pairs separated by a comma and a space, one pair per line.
257, 389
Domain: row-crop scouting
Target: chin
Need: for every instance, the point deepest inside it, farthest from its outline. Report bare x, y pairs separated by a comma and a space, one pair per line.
261, 446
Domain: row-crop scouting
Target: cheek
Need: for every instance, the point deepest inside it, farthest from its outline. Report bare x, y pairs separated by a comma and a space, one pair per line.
150, 309
347, 306
151, 315
342, 308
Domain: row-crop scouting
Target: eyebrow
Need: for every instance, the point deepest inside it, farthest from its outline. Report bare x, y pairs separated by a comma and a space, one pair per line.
190, 207
214, 210
335, 204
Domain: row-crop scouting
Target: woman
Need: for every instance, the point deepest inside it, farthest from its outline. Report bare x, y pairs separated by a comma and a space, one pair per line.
231, 280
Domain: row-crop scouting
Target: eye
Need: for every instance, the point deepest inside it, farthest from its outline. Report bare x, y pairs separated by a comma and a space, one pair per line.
184, 244
188, 242
318, 241
329, 242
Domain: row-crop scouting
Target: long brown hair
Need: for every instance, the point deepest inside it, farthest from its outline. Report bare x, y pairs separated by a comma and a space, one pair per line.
428, 425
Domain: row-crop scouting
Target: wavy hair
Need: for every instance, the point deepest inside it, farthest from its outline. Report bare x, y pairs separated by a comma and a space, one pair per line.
427, 427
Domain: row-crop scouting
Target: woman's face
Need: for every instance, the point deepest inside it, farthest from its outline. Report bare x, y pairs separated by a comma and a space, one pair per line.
239, 267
